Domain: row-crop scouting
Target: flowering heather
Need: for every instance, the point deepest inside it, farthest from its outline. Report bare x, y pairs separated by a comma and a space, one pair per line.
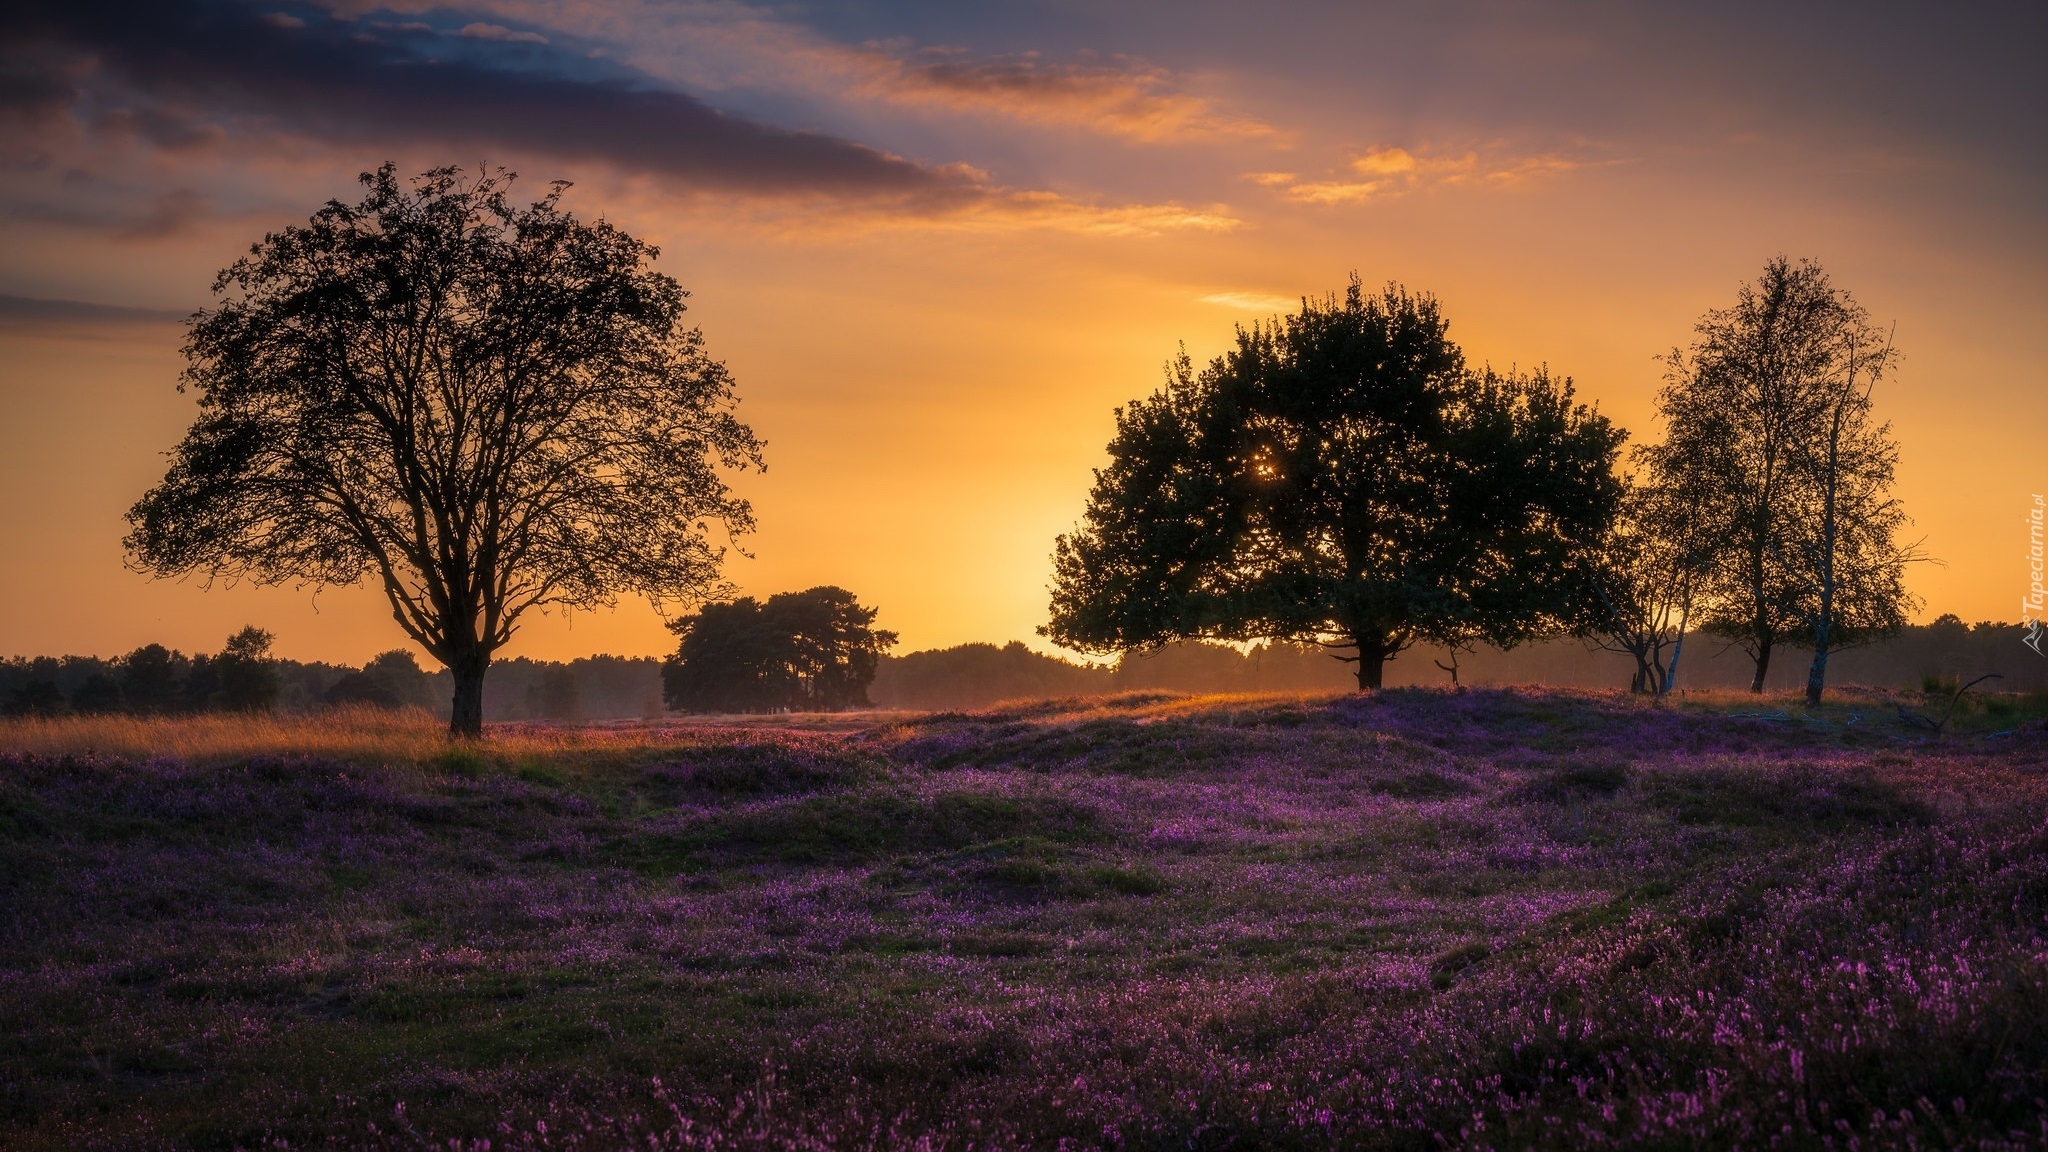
1490, 919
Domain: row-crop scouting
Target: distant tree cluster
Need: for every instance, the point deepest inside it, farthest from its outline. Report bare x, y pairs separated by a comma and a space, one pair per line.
587, 688
810, 651
391, 679
979, 675
153, 681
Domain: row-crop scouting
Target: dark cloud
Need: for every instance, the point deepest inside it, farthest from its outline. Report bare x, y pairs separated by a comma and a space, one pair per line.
123, 208
351, 81
32, 85
18, 312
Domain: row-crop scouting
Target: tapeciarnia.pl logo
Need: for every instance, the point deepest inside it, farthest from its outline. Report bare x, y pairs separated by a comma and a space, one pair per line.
2031, 607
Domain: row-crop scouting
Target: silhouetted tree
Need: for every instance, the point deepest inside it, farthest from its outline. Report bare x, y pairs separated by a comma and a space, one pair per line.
1340, 476
1768, 430
152, 679
728, 660
834, 646
200, 689
359, 687
486, 407
555, 695
36, 698
977, 675
97, 695
400, 674
1643, 581
245, 676
814, 650
1841, 550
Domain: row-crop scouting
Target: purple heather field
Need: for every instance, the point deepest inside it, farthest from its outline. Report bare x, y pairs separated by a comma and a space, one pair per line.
1410, 919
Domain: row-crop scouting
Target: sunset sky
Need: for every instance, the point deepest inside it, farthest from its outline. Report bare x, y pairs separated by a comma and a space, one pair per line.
938, 243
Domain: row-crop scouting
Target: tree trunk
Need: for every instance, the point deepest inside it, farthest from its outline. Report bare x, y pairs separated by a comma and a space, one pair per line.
466, 715
1372, 660
1678, 646
1824, 620
1763, 662
1648, 679
1817, 676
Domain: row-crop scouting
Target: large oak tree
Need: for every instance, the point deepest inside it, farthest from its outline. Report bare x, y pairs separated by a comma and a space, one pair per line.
487, 407
1340, 476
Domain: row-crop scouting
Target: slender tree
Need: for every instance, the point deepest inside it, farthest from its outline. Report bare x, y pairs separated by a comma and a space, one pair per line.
1339, 476
1643, 580
488, 408
1842, 544
1769, 434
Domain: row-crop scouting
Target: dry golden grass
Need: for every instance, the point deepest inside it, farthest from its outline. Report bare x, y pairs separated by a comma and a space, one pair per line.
354, 734
375, 735
372, 735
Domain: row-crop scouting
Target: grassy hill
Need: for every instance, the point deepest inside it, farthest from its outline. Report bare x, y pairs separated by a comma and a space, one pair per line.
1493, 918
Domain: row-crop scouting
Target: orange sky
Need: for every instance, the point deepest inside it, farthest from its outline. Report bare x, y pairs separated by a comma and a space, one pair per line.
985, 233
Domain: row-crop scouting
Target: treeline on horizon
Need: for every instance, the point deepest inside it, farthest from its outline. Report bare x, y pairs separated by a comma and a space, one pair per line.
157, 680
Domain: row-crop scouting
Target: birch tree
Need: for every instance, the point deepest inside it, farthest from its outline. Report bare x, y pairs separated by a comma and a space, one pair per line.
1841, 547
1769, 435
1643, 582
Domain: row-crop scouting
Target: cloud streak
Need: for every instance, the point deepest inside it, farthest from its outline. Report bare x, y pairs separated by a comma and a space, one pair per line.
1252, 301
1124, 97
1383, 172
33, 312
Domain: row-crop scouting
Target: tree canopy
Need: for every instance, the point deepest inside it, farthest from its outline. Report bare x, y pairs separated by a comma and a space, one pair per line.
486, 407
810, 651
1340, 476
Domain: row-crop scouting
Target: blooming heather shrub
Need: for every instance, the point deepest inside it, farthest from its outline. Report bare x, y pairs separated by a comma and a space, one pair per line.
1490, 920
1840, 793
712, 772
1575, 780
